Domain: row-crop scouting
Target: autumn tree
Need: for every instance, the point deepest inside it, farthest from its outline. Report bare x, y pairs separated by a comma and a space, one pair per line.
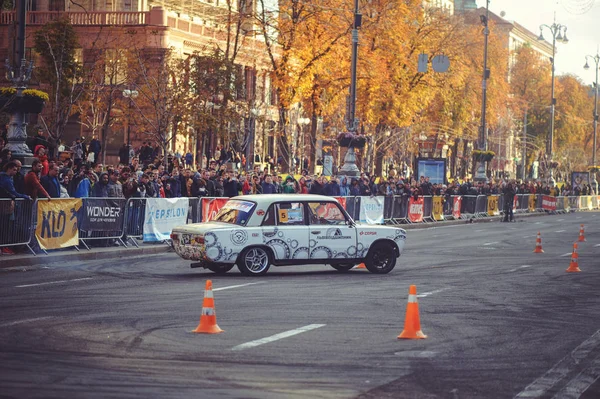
163, 103
56, 43
291, 34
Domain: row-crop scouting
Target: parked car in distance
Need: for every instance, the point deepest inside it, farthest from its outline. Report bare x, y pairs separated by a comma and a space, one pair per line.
257, 231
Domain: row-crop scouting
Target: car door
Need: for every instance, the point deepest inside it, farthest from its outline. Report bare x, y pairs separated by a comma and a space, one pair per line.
332, 235
284, 230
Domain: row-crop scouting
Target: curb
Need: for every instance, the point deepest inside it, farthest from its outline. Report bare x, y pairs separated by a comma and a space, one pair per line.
9, 261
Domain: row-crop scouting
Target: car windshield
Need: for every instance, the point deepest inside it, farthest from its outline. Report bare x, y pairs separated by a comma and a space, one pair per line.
235, 212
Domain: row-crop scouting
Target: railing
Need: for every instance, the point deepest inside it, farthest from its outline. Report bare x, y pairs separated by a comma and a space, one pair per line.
80, 18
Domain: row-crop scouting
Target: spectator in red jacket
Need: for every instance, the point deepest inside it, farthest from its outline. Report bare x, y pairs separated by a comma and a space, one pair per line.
32, 185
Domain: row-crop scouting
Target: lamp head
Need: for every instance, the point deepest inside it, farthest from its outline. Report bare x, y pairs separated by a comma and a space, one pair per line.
541, 37
559, 38
586, 66
565, 39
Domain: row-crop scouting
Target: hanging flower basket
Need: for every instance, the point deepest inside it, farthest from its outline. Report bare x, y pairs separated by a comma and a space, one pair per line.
32, 101
483, 156
349, 139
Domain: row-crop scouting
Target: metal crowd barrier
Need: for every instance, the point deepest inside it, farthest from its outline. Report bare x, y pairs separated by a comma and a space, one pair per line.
17, 222
89, 213
134, 219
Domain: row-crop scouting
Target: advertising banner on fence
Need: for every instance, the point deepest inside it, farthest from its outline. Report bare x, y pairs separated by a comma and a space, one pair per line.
549, 203
492, 205
371, 210
57, 223
162, 214
438, 208
211, 206
531, 203
415, 209
456, 207
102, 214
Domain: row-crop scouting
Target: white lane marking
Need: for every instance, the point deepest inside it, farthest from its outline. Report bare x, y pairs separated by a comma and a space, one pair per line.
277, 337
561, 369
567, 254
578, 385
578, 217
234, 286
14, 323
559, 220
423, 295
520, 267
560, 231
53, 282
490, 243
478, 231
597, 245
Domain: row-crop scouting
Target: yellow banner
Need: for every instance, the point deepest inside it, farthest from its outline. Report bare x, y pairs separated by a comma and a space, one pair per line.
57, 223
531, 203
492, 208
438, 208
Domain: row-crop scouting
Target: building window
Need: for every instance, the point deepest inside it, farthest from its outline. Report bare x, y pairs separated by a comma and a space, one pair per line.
114, 68
56, 5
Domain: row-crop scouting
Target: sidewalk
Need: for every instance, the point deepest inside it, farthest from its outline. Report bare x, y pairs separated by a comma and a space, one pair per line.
69, 255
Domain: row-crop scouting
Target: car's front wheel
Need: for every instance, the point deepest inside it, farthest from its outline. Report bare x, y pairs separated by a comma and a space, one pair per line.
343, 267
381, 258
254, 261
220, 269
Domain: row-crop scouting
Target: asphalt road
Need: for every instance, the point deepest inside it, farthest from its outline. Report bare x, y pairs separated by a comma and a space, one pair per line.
501, 322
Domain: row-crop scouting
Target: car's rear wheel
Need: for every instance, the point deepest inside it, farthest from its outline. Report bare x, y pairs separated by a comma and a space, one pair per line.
381, 258
254, 261
220, 269
343, 267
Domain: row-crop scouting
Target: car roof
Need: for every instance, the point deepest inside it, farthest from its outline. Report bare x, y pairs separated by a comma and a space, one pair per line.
269, 198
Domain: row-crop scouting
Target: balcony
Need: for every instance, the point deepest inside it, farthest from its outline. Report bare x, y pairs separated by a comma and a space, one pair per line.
80, 18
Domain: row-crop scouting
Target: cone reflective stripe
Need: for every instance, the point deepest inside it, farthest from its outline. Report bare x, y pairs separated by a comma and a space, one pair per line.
538, 244
574, 265
412, 322
581, 234
208, 319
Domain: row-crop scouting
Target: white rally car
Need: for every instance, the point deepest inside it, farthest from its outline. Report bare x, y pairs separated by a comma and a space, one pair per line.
256, 231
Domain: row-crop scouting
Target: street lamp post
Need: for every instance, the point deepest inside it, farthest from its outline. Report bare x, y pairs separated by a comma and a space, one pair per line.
596, 60
480, 174
559, 33
131, 95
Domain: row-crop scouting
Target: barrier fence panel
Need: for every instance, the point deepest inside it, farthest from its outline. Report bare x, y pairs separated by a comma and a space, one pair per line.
388, 209
448, 206
481, 206
467, 209
522, 203
194, 212
17, 222
428, 209
400, 209
573, 204
134, 219
101, 219
560, 205
353, 207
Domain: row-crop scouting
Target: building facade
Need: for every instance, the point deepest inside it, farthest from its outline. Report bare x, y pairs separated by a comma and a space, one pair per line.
186, 28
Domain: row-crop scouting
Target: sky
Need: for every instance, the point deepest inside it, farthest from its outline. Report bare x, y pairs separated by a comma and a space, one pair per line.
583, 28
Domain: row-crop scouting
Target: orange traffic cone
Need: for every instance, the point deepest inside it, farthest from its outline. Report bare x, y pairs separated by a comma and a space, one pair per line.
208, 320
581, 234
574, 265
361, 266
412, 323
538, 245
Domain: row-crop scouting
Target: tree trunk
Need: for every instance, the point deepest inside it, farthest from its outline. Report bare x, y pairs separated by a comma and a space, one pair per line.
282, 143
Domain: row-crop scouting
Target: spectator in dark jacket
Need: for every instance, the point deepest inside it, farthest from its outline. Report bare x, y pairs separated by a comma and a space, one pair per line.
100, 189
51, 183
231, 186
267, 185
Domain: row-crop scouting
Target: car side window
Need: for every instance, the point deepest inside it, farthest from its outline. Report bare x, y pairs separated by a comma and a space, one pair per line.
325, 213
269, 219
290, 213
